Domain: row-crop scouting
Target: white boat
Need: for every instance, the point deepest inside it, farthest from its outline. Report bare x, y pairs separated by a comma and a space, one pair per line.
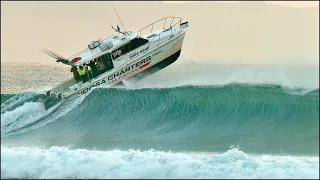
124, 55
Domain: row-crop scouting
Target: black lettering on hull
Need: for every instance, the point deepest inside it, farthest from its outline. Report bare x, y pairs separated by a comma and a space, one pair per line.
90, 87
117, 76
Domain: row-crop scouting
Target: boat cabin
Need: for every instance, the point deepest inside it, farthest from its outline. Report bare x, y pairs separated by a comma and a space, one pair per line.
104, 55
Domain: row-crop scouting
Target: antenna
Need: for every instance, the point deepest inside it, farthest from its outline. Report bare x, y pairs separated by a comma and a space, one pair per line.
119, 19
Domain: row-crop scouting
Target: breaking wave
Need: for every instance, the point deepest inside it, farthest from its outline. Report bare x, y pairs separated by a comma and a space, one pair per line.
258, 119
165, 127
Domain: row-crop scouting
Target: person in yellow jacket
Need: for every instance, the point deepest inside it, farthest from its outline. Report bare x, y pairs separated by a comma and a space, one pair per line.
82, 72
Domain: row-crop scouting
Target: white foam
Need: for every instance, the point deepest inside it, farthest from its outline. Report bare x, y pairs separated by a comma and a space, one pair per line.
15, 99
22, 116
60, 162
32, 111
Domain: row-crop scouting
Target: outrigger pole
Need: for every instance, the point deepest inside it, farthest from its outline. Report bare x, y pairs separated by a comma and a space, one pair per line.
56, 56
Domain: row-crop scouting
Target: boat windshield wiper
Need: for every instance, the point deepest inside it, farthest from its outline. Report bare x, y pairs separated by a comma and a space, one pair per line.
56, 56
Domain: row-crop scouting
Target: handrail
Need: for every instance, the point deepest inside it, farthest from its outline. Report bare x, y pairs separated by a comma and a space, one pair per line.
165, 18
159, 35
164, 24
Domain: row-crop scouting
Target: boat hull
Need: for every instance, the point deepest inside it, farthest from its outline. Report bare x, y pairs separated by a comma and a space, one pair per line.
155, 68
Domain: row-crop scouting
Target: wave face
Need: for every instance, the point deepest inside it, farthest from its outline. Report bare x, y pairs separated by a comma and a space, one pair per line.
5, 97
256, 119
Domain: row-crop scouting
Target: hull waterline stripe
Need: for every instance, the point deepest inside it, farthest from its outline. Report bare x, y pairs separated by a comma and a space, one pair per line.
144, 65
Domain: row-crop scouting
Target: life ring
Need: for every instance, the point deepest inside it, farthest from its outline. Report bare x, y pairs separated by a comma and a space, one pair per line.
75, 59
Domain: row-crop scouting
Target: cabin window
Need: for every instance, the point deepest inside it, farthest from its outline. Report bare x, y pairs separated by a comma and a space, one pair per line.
116, 53
120, 51
135, 43
104, 62
107, 61
108, 57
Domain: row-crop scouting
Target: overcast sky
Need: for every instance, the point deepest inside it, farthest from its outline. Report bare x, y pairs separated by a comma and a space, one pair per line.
282, 3
252, 32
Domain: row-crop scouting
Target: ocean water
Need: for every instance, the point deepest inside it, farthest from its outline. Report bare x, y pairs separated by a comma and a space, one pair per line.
195, 120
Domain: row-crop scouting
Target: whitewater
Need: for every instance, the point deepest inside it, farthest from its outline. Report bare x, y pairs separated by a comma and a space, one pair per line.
190, 120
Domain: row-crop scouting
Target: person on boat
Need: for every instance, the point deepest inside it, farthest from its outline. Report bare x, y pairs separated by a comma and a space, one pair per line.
75, 73
110, 65
94, 68
82, 73
101, 66
87, 77
89, 71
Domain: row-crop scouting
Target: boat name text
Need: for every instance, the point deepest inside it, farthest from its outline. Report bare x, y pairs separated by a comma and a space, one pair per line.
135, 65
137, 53
119, 73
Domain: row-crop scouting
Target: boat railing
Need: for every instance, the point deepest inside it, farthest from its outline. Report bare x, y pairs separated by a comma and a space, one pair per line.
170, 21
160, 21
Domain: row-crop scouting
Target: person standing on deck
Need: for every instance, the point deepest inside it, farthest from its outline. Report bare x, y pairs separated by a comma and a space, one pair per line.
110, 65
82, 73
89, 72
75, 73
94, 68
101, 66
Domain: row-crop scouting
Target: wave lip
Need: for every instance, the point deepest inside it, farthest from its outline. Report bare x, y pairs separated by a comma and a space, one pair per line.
61, 162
